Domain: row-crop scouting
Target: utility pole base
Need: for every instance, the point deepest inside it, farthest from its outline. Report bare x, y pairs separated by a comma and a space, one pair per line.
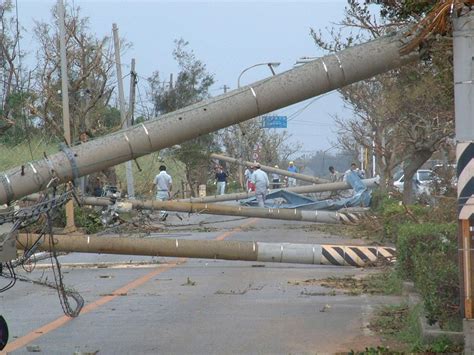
70, 224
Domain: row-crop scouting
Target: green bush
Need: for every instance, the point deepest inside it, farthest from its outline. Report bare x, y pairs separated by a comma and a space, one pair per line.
84, 217
88, 219
427, 254
391, 214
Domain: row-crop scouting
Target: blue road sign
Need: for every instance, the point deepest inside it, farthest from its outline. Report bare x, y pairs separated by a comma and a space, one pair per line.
274, 121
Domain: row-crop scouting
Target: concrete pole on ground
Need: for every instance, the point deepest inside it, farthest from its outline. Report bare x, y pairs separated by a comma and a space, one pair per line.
289, 214
270, 169
315, 78
332, 186
319, 254
70, 225
123, 113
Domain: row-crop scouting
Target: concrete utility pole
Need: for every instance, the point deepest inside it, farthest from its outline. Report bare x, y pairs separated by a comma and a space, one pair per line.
288, 214
298, 84
464, 115
123, 113
70, 225
133, 85
332, 186
269, 169
216, 249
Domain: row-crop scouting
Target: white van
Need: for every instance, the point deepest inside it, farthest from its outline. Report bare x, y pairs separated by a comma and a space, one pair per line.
424, 180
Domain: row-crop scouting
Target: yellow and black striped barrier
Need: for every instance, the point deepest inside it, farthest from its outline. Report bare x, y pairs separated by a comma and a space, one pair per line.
355, 255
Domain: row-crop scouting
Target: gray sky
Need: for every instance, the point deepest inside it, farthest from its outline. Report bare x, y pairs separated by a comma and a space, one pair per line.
228, 36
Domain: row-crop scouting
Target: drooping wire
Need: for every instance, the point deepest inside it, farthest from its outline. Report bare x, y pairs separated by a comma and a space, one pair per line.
50, 206
63, 293
11, 275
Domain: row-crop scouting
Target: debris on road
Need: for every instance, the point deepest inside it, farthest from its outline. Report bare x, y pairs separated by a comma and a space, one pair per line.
189, 282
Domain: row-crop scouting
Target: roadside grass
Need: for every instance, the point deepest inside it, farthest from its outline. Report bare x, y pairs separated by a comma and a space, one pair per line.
399, 324
12, 156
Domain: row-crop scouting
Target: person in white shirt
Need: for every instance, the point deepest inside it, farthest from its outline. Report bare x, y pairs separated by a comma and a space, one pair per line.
334, 175
163, 185
356, 170
248, 179
275, 179
260, 179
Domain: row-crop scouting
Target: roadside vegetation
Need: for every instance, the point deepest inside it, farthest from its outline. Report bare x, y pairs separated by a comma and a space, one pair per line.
427, 255
399, 325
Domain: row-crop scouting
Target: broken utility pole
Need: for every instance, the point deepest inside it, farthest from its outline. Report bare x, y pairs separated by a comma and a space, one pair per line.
217, 249
318, 216
332, 186
269, 169
317, 77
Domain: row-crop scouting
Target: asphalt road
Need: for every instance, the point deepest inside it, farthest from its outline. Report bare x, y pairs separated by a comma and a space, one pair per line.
154, 305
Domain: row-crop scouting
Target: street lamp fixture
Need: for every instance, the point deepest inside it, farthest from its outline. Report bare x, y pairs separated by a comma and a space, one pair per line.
304, 60
271, 65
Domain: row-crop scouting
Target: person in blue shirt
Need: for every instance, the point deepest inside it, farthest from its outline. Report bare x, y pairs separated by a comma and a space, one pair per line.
292, 169
221, 177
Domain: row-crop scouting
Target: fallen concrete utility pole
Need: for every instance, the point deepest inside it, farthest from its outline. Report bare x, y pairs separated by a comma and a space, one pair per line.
226, 210
332, 186
269, 169
314, 78
216, 249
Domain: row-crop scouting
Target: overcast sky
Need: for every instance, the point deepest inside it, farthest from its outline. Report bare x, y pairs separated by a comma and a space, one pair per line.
228, 36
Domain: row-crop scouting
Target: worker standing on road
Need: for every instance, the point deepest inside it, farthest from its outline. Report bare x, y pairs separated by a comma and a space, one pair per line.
163, 185
260, 179
248, 178
221, 178
292, 169
275, 180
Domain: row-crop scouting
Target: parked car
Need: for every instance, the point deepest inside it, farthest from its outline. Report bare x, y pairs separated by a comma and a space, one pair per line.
424, 179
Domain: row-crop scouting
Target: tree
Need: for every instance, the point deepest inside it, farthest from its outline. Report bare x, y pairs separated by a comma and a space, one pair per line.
11, 86
192, 85
408, 112
90, 72
274, 147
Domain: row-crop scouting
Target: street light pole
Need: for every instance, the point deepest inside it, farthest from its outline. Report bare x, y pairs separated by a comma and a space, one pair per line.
270, 65
324, 156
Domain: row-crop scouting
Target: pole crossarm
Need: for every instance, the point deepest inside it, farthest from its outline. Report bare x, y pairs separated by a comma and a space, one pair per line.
318, 254
269, 169
298, 84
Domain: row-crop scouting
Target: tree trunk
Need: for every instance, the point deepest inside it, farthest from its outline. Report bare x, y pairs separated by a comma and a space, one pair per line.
409, 170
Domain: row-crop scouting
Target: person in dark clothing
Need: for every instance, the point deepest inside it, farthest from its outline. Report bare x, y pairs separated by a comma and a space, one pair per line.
221, 178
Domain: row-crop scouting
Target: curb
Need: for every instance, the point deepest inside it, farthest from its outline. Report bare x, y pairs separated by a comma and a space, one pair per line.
429, 332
